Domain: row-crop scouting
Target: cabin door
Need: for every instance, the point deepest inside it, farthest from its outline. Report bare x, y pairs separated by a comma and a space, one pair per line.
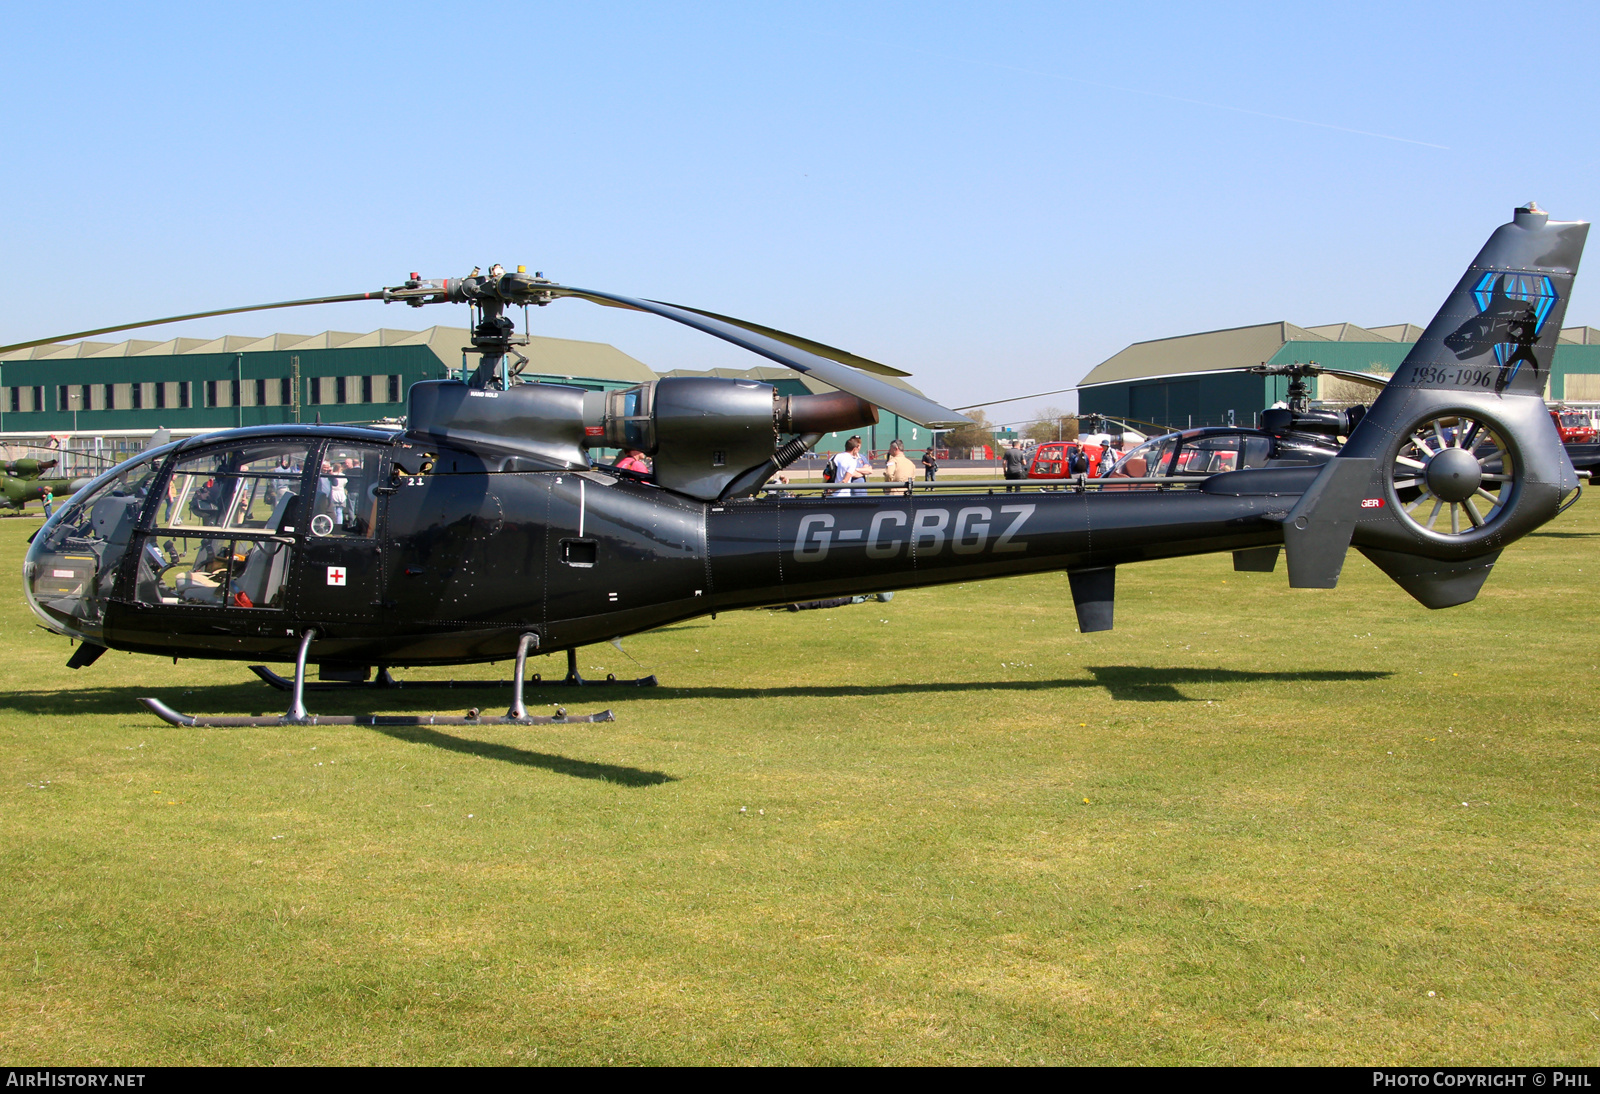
341, 564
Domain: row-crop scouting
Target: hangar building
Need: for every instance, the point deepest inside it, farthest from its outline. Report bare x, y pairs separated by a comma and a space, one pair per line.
1198, 379
195, 384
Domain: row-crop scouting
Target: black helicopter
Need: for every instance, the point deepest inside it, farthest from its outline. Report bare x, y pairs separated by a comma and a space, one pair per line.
480, 531
1293, 434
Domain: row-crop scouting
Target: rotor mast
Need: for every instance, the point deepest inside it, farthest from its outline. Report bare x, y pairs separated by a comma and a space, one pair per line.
494, 334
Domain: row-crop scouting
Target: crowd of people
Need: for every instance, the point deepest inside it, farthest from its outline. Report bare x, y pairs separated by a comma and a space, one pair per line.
852, 469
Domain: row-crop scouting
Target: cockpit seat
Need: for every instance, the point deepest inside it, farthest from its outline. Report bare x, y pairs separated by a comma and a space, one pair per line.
198, 588
279, 509
263, 575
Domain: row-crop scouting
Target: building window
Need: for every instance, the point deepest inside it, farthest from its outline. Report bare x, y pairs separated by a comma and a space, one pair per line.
71, 397
285, 391
366, 389
394, 389
110, 396
313, 391
138, 396
233, 392
211, 393
341, 389
261, 391
161, 396
14, 400
183, 395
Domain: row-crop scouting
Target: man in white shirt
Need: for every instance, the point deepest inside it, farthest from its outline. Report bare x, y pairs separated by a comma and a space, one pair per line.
850, 467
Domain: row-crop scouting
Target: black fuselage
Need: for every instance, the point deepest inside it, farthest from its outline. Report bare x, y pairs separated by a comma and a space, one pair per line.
465, 552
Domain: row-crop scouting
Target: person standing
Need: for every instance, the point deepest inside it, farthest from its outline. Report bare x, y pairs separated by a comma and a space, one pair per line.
280, 482
1092, 453
930, 465
898, 468
338, 495
1016, 466
850, 468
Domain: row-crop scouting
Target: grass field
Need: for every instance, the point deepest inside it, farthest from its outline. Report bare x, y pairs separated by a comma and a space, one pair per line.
1249, 826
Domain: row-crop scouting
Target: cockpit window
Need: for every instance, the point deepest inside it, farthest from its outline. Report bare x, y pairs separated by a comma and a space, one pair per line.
220, 531
73, 563
213, 571
1150, 459
347, 500
1209, 455
245, 489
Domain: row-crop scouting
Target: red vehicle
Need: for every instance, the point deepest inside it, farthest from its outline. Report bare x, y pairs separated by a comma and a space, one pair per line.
1574, 427
1055, 460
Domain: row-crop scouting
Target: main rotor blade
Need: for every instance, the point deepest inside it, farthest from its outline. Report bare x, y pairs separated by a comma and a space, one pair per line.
379, 295
1365, 379
1362, 378
789, 350
844, 357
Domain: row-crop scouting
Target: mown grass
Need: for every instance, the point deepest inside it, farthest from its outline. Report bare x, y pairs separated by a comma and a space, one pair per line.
1250, 825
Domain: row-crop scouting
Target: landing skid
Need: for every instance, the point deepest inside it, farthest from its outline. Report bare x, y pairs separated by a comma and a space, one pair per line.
298, 716
384, 681
167, 714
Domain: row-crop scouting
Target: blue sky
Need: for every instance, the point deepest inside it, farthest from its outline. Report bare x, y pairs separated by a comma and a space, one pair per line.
994, 197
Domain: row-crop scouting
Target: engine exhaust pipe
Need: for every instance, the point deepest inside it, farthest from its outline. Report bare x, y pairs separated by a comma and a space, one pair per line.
828, 413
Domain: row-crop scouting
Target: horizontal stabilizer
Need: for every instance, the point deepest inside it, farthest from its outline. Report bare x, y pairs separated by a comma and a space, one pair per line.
1435, 584
1317, 531
1256, 560
1094, 594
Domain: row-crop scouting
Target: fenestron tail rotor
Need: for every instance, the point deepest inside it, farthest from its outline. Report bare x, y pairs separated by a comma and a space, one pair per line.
1454, 475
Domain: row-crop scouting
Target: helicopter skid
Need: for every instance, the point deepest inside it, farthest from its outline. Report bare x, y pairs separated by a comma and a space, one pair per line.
173, 717
383, 681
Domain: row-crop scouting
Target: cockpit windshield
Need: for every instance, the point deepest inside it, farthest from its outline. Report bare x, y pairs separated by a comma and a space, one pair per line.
1195, 454
1151, 459
73, 562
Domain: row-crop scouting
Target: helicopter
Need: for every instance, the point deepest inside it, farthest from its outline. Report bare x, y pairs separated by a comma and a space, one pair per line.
1293, 433
24, 482
24, 479
481, 532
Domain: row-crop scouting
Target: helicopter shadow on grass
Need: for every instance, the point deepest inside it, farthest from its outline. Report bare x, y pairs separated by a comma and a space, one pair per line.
254, 699
1126, 683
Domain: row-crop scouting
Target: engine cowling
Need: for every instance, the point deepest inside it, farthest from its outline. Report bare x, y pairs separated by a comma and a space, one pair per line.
711, 437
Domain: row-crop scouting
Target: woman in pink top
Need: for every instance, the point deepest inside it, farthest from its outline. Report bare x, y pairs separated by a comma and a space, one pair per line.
633, 460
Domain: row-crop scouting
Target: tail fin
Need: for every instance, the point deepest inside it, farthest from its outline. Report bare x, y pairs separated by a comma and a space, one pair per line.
1466, 456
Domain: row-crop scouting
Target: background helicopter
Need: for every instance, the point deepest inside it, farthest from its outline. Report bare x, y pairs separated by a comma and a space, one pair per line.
24, 481
25, 478
480, 532
1295, 433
